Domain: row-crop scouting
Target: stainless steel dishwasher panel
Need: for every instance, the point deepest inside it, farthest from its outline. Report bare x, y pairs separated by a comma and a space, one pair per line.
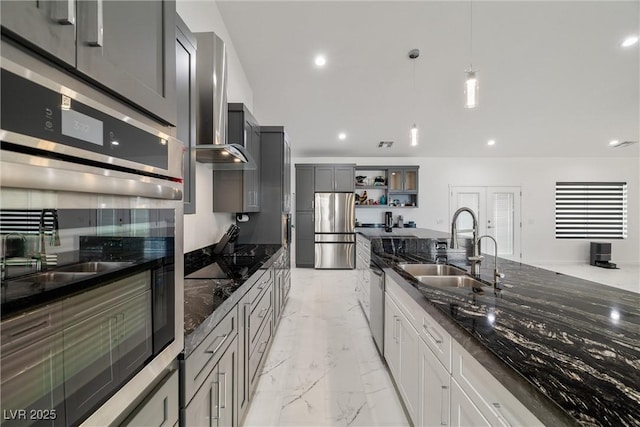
376, 306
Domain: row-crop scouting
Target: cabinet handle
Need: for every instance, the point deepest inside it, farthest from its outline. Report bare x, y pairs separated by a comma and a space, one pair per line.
443, 406
96, 29
497, 406
263, 345
65, 12
224, 389
224, 338
262, 312
398, 321
216, 383
437, 338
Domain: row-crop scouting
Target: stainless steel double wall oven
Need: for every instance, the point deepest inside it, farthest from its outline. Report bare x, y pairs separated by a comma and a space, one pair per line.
91, 221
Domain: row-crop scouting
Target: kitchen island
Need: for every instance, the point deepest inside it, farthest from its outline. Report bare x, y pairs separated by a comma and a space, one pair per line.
566, 348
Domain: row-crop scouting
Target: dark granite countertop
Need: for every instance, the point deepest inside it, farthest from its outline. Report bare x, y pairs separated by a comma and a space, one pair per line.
207, 301
568, 348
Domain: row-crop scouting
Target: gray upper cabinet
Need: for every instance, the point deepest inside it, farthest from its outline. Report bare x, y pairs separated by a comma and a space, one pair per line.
239, 190
46, 26
186, 105
305, 186
403, 180
334, 178
127, 48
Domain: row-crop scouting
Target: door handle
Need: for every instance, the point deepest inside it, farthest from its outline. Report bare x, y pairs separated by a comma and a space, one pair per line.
224, 389
96, 29
65, 12
216, 383
443, 413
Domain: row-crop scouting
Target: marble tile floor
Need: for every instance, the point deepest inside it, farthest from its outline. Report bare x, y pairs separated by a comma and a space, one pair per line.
626, 277
323, 368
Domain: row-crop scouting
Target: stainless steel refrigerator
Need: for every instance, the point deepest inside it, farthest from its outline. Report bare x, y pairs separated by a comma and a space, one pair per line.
334, 231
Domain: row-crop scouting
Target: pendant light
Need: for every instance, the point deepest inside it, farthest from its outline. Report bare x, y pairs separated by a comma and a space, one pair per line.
471, 80
413, 54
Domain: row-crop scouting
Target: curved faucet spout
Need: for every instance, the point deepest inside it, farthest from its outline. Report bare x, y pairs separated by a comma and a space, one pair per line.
454, 228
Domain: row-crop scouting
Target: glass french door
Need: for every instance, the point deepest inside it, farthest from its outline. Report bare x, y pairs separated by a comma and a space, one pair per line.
498, 213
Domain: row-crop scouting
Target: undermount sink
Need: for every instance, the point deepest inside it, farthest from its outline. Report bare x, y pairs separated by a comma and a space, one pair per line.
451, 281
431, 270
94, 267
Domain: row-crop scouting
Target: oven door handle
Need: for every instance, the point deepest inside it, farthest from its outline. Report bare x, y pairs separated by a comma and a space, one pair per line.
27, 171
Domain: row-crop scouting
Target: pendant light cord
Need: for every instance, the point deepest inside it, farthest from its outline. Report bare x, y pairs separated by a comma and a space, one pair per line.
471, 34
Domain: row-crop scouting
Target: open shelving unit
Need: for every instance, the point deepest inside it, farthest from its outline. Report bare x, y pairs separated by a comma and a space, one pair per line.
386, 186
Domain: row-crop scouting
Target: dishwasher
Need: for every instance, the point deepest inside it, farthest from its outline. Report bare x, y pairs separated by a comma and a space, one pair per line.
376, 292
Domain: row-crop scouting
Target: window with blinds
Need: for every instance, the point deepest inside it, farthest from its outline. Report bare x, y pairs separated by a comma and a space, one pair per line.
591, 210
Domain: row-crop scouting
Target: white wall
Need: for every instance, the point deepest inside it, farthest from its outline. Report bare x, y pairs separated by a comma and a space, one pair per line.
205, 227
536, 177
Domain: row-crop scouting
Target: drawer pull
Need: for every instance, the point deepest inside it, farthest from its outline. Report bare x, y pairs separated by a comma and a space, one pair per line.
224, 338
434, 335
262, 312
263, 346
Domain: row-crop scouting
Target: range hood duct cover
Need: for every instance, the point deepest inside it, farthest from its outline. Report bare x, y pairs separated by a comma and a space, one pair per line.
211, 108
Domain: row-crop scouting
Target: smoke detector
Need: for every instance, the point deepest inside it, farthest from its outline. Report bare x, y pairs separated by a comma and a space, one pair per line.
385, 144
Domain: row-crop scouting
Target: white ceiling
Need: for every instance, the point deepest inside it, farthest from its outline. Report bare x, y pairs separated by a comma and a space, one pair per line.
554, 80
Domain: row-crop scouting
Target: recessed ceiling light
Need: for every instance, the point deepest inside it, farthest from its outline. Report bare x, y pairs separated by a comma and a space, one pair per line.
342, 136
491, 142
614, 143
630, 41
320, 60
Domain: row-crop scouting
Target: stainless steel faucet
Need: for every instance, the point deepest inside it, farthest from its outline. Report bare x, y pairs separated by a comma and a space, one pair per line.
477, 259
454, 229
54, 240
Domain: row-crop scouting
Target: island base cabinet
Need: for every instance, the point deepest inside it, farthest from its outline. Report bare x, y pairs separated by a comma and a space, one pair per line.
463, 412
492, 399
435, 385
401, 351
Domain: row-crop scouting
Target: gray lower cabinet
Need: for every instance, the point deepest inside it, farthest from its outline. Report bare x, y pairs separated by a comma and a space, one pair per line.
214, 403
127, 47
160, 408
304, 239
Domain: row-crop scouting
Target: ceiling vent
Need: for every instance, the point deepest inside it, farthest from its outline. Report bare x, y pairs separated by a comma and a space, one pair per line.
385, 144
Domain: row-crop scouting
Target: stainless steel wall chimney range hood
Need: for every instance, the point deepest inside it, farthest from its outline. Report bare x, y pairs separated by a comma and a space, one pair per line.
211, 107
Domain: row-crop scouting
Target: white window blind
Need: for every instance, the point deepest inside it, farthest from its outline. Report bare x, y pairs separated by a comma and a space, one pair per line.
591, 210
